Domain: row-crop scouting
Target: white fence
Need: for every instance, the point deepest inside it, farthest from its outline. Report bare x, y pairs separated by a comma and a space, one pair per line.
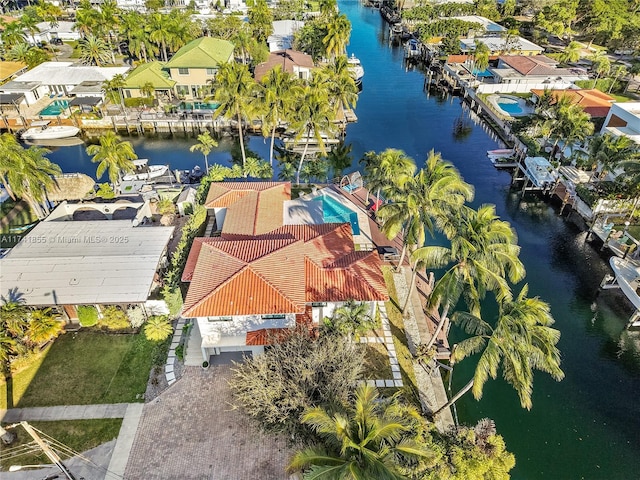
520, 87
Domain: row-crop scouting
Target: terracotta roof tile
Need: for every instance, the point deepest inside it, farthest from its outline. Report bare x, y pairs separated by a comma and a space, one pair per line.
266, 336
287, 59
594, 102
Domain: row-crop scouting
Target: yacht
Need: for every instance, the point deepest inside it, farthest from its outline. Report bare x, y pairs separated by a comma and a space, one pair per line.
40, 130
356, 69
144, 171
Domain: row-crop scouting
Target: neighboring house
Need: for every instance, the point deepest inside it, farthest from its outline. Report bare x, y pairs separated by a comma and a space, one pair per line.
153, 73
623, 119
502, 45
517, 73
489, 27
57, 78
296, 63
594, 102
260, 277
67, 262
195, 65
62, 30
9, 70
283, 32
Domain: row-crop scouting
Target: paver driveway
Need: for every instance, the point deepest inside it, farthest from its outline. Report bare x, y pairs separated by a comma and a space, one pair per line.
191, 432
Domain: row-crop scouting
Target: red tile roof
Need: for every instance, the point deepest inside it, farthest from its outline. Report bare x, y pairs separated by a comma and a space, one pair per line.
279, 272
594, 102
253, 208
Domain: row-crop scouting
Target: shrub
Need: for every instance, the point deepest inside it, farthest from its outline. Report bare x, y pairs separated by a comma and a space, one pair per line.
114, 319
180, 352
105, 191
87, 315
136, 316
138, 102
172, 296
157, 329
165, 207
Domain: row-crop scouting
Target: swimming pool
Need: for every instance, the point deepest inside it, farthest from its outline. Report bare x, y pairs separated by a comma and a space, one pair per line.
510, 105
55, 108
335, 212
198, 106
482, 73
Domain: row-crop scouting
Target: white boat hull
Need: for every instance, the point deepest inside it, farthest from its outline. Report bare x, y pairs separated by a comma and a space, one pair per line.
50, 133
356, 69
155, 171
628, 278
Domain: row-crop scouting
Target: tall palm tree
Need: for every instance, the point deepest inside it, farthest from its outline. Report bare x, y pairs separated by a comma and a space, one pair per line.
313, 119
108, 20
43, 326
571, 53
112, 155
31, 176
337, 38
159, 33
373, 438
280, 88
205, 144
522, 340
94, 51
10, 160
618, 72
608, 151
235, 92
340, 158
424, 202
11, 34
601, 64
113, 90
87, 18
343, 91
387, 171
480, 57
482, 255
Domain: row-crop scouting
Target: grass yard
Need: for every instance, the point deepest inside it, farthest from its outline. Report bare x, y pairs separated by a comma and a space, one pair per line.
377, 366
85, 368
79, 435
405, 359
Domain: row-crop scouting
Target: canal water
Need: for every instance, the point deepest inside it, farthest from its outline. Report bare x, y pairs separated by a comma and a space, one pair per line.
588, 425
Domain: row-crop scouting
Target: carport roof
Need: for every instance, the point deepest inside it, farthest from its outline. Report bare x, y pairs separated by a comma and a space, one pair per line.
84, 262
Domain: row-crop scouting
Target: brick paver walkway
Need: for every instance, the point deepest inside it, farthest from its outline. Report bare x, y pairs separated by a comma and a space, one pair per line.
191, 432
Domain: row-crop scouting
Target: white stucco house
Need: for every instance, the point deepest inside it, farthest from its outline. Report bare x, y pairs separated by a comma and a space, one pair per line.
623, 119
260, 278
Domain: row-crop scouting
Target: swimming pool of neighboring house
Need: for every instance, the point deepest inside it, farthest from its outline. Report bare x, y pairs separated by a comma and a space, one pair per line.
54, 108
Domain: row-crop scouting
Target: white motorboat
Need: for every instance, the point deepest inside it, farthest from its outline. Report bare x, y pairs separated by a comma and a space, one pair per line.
356, 69
540, 172
628, 278
144, 171
40, 130
412, 49
500, 153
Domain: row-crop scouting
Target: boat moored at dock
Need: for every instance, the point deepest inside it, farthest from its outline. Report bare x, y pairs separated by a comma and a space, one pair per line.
144, 171
40, 130
356, 69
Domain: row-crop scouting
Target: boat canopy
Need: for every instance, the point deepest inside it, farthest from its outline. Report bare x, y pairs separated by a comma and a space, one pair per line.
40, 123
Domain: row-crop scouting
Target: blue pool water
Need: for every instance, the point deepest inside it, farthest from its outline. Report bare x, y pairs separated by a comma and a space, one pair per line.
334, 212
198, 105
510, 106
482, 74
55, 108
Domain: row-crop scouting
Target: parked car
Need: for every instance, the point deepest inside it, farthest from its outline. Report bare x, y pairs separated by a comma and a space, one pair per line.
56, 41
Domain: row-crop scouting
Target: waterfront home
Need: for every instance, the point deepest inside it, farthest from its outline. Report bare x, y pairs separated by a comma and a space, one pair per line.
488, 27
517, 73
296, 63
87, 254
50, 30
592, 101
153, 73
58, 78
195, 65
623, 119
282, 36
500, 45
260, 276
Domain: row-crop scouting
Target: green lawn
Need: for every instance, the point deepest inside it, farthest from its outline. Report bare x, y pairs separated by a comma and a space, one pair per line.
85, 368
405, 359
79, 435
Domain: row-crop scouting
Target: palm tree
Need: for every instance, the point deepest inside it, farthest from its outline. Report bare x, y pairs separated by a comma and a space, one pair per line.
43, 326
372, 439
337, 38
31, 175
11, 34
13, 317
574, 125
280, 88
480, 57
328, 8
87, 18
424, 202
340, 83
608, 151
314, 118
113, 90
205, 144
10, 160
113, 155
159, 32
351, 319
94, 51
618, 72
108, 20
600, 64
387, 171
482, 254
157, 329
340, 158
257, 168
148, 89
521, 341
571, 53
235, 92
